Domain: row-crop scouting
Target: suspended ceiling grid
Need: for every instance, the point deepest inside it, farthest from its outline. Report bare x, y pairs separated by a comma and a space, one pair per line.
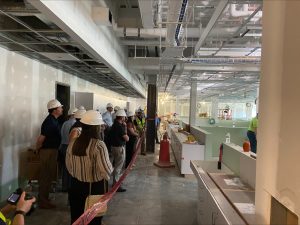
25, 30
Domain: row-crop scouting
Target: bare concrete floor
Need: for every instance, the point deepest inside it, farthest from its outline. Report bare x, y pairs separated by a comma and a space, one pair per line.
153, 196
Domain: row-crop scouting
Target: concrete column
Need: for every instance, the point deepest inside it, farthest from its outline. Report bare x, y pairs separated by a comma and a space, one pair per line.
151, 110
278, 152
214, 108
193, 103
177, 108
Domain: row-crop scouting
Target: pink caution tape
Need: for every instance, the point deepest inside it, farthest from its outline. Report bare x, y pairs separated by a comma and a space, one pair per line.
90, 214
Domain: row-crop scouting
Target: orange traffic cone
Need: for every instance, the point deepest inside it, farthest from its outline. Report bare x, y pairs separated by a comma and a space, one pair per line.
164, 154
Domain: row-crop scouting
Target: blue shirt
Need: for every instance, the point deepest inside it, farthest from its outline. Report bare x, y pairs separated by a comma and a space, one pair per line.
65, 130
157, 120
51, 130
107, 118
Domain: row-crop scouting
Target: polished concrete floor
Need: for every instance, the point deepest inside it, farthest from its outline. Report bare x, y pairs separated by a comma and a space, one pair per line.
153, 196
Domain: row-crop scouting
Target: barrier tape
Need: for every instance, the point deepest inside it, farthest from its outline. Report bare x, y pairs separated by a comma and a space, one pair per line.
91, 213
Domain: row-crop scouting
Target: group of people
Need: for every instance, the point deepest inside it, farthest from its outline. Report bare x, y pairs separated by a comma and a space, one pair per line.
90, 148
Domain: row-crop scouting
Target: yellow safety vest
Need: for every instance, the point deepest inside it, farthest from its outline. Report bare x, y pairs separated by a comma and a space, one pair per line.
2, 217
140, 123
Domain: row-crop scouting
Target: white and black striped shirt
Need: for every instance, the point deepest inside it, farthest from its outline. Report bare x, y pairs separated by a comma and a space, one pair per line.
92, 167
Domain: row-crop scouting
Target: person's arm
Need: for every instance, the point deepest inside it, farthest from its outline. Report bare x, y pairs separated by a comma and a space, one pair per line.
125, 136
39, 143
132, 132
75, 133
23, 207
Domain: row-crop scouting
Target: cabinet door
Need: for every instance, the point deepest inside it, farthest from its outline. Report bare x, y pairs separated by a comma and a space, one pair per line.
217, 217
190, 152
203, 210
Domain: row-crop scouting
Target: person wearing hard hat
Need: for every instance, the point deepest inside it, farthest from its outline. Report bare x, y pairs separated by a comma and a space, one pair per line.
65, 130
76, 128
47, 146
114, 113
133, 135
107, 119
118, 138
140, 124
88, 163
107, 116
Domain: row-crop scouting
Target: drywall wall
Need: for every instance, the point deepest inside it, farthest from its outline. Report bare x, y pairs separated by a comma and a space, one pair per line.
25, 88
278, 132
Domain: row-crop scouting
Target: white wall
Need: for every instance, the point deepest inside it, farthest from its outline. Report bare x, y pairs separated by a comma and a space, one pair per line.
25, 88
278, 132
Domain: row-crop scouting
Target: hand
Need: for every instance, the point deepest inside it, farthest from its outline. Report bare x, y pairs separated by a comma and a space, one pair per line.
25, 205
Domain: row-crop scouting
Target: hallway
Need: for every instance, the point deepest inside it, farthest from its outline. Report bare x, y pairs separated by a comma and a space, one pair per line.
153, 196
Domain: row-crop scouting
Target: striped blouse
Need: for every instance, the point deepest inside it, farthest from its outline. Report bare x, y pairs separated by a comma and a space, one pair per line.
92, 167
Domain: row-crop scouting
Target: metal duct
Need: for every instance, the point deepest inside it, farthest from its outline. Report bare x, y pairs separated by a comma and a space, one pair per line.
224, 61
162, 32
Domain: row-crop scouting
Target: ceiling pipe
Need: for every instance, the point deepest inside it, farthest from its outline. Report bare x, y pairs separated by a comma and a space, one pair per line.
213, 20
224, 61
162, 32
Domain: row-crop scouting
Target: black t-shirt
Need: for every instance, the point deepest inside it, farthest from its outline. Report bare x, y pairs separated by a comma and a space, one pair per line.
51, 130
116, 134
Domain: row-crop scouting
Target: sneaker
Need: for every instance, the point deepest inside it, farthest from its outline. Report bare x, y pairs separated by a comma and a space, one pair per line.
120, 189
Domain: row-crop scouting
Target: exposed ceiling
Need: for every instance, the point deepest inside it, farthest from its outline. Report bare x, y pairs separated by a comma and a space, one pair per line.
214, 43
218, 46
24, 30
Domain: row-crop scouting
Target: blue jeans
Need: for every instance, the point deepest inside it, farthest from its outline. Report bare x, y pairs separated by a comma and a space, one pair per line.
252, 138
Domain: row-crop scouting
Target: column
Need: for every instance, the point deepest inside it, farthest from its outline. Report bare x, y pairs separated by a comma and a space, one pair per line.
193, 102
214, 108
177, 108
278, 152
151, 110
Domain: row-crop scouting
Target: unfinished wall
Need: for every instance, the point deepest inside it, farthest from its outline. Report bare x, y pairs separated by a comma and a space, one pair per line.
25, 88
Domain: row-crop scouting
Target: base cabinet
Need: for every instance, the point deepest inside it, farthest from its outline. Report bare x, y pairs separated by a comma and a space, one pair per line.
208, 211
183, 152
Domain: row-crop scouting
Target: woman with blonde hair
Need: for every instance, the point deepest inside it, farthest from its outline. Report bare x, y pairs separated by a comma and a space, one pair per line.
88, 163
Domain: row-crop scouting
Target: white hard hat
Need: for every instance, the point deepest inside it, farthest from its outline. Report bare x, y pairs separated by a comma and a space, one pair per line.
92, 117
117, 108
130, 113
72, 111
80, 112
109, 105
121, 112
54, 103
